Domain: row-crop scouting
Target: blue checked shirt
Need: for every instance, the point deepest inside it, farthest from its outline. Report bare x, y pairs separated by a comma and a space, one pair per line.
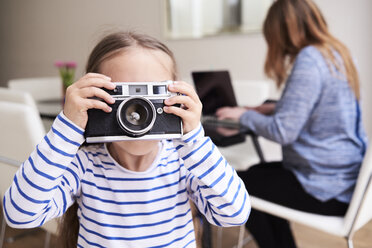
318, 123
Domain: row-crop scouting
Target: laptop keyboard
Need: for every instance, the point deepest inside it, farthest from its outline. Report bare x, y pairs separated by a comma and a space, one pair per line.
213, 121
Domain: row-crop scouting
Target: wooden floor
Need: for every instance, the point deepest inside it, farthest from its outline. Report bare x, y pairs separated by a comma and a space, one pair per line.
305, 238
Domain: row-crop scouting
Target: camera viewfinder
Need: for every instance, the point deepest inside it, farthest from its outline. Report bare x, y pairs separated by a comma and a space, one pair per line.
160, 89
138, 90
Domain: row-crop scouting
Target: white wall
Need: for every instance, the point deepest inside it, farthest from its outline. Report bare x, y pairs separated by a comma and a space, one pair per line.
34, 34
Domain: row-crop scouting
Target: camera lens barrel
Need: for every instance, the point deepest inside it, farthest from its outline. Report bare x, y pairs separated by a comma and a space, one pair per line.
136, 115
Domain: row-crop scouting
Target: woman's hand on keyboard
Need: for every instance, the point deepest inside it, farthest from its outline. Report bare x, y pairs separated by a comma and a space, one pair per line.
233, 113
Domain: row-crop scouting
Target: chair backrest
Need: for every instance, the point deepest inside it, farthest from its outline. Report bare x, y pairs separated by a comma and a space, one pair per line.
21, 129
9, 95
360, 209
43, 88
7, 170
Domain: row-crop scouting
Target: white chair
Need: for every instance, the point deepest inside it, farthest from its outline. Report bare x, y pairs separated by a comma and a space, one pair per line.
8, 168
21, 130
9, 95
42, 88
357, 215
45, 91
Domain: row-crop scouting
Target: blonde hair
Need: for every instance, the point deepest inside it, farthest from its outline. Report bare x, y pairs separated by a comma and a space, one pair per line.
115, 43
291, 25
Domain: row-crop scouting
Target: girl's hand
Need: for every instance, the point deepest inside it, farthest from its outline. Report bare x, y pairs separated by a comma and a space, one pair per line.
190, 110
78, 96
233, 113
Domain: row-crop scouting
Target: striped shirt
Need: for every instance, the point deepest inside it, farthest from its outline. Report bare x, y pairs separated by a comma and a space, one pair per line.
123, 208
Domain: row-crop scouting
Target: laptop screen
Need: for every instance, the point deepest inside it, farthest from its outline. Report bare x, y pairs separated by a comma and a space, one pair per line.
214, 89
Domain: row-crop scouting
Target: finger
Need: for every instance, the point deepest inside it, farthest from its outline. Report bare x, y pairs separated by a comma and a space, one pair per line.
221, 117
185, 100
184, 114
184, 88
96, 75
96, 82
96, 92
96, 104
222, 111
224, 115
92, 76
219, 111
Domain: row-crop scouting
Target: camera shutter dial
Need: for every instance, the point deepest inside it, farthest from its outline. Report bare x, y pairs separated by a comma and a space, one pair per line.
136, 115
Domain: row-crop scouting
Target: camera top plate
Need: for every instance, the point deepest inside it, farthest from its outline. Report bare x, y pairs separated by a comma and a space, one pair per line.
149, 90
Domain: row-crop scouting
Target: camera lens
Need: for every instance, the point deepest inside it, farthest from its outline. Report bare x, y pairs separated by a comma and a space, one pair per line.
136, 116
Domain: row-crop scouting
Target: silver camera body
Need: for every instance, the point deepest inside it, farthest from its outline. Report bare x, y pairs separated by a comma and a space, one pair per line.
136, 114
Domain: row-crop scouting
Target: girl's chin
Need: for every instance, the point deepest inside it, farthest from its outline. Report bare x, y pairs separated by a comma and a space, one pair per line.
139, 148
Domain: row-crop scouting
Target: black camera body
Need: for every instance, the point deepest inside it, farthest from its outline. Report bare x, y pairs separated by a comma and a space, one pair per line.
136, 114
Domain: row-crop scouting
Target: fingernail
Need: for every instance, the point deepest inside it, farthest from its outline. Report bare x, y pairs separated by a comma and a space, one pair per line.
112, 99
109, 109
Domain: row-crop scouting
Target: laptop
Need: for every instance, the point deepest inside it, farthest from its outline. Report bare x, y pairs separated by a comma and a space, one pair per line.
215, 90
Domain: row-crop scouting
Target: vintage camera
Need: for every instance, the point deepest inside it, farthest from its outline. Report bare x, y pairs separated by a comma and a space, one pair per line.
136, 114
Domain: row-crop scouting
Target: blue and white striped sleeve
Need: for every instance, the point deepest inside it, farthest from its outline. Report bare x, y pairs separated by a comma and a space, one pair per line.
46, 183
213, 184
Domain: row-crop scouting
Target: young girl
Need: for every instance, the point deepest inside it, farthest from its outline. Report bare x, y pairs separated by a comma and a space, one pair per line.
129, 193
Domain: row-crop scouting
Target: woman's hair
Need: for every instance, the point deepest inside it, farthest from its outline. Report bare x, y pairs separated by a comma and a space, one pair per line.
110, 46
291, 25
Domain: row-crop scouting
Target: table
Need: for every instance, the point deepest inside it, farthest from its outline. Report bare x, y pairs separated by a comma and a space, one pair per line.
242, 155
49, 108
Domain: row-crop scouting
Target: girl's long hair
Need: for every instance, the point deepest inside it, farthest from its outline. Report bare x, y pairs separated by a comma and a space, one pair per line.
109, 46
291, 25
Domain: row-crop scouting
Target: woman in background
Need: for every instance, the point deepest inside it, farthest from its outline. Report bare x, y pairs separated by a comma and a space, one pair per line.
317, 121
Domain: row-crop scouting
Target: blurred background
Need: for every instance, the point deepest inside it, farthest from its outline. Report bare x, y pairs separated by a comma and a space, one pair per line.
216, 36
34, 34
